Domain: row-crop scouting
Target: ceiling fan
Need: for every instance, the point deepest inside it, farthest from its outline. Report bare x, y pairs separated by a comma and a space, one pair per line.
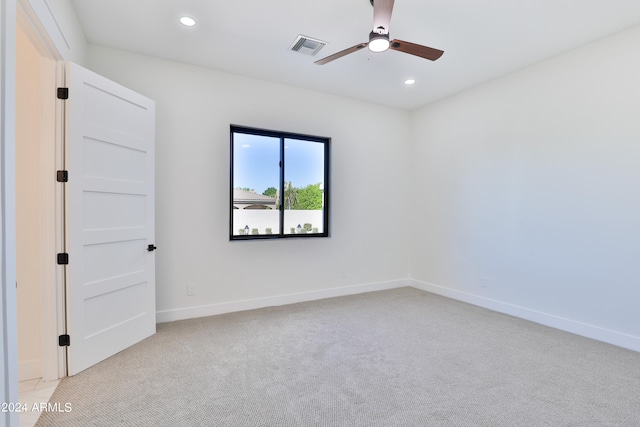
379, 37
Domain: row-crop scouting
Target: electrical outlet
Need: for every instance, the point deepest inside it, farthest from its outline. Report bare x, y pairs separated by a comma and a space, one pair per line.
191, 289
483, 282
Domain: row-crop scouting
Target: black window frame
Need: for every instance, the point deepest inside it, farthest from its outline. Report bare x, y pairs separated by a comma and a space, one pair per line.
326, 141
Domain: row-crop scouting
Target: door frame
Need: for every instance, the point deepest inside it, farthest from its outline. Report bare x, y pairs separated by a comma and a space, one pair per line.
32, 18
8, 305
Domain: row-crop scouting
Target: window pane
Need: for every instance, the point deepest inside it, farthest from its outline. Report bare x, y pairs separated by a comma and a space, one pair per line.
256, 178
279, 184
304, 185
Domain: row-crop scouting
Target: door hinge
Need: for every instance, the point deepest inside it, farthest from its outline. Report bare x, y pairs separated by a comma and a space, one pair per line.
63, 93
62, 176
64, 340
63, 258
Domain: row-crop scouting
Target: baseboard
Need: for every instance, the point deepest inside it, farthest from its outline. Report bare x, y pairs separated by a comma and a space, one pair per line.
590, 331
29, 369
251, 304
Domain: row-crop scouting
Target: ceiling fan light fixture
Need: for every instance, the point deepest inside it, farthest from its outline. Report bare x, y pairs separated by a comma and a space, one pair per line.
378, 42
379, 38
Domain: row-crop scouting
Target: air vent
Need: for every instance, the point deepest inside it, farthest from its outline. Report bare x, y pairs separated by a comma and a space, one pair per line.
307, 45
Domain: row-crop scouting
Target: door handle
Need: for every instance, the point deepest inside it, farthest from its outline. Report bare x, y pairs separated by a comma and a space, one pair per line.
151, 248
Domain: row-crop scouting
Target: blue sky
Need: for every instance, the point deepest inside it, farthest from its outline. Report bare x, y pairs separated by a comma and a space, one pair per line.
256, 161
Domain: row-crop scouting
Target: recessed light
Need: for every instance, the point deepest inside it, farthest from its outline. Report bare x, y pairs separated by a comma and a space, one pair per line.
409, 82
187, 21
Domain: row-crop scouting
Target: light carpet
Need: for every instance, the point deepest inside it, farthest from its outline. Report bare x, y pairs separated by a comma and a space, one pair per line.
401, 357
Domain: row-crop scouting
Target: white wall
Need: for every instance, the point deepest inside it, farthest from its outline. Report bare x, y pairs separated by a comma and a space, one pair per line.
529, 198
270, 218
28, 216
195, 107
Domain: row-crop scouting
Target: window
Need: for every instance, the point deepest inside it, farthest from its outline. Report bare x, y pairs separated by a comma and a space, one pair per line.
279, 184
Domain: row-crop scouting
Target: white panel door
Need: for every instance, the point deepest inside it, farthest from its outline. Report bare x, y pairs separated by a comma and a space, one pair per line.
110, 218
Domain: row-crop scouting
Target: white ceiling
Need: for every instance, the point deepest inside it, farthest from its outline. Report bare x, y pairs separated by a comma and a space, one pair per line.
482, 39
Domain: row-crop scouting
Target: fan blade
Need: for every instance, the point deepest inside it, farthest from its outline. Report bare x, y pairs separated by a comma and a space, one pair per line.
341, 54
416, 49
382, 16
